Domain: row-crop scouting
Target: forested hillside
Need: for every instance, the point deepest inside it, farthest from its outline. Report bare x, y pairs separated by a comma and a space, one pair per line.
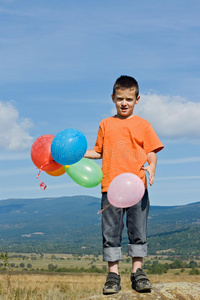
72, 225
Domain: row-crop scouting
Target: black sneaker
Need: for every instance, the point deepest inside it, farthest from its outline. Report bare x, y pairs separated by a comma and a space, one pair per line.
140, 282
112, 285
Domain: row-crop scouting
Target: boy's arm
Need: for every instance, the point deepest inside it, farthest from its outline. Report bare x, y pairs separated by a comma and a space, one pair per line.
92, 154
151, 168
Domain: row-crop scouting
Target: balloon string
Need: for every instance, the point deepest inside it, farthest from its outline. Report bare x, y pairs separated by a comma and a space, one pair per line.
42, 184
47, 163
99, 212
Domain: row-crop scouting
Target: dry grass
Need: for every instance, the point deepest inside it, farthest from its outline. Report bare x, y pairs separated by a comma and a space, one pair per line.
70, 286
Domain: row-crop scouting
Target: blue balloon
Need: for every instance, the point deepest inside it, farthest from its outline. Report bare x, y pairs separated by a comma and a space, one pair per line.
68, 146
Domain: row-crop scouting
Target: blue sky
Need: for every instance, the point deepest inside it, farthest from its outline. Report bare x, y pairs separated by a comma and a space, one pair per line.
58, 63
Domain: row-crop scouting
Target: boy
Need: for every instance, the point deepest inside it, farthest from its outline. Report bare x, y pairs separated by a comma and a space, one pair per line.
125, 142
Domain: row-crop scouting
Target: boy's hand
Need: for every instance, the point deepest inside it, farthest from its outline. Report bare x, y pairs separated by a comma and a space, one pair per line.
151, 168
92, 154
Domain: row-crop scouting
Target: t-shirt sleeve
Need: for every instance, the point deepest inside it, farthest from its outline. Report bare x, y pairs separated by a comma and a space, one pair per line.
151, 140
99, 142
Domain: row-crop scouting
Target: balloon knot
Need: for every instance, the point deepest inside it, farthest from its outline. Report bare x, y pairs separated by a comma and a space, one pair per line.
43, 186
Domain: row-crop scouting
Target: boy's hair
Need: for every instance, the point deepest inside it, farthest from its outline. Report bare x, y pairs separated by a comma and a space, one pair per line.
126, 82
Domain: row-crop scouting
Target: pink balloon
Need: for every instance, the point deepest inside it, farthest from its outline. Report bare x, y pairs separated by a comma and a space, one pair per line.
125, 190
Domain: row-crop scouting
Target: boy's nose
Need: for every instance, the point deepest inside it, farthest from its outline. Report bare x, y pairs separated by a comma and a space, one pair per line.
124, 102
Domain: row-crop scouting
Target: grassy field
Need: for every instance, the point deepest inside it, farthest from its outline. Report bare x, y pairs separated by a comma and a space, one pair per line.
70, 286
27, 276
36, 262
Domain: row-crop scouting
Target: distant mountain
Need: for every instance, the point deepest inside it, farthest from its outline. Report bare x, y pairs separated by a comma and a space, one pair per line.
71, 224
175, 229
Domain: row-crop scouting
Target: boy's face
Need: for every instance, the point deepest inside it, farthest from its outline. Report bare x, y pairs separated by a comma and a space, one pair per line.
125, 100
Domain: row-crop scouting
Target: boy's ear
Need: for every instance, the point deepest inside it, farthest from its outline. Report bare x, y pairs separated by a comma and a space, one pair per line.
138, 99
113, 98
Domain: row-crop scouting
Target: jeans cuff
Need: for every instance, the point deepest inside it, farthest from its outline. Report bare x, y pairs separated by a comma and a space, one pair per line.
112, 254
135, 250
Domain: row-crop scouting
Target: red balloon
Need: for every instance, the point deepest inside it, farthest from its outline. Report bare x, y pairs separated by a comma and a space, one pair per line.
41, 154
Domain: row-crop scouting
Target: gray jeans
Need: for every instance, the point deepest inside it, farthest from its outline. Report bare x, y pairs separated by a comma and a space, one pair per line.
112, 227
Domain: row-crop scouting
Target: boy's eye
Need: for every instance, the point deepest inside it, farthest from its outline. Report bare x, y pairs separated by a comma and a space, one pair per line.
122, 99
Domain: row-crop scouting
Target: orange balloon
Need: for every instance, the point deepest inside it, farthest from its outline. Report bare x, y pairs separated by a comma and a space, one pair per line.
57, 172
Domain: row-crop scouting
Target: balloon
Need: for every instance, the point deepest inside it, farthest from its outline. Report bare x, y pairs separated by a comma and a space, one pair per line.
125, 190
86, 173
68, 147
41, 154
57, 172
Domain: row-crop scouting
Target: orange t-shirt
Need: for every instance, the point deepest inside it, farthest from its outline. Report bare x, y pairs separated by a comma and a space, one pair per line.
124, 145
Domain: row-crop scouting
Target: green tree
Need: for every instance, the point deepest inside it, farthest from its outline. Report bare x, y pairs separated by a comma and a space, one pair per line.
22, 265
53, 257
5, 258
52, 267
193, 264
157, 268
194, 272
177, 264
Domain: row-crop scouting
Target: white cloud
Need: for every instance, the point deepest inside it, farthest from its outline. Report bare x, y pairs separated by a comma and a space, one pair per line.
171, 116
178, 178
183, 160
16, 172
13, 130
15, 156
37, 187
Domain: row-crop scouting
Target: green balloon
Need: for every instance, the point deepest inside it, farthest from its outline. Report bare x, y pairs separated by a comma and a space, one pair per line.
85, 172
